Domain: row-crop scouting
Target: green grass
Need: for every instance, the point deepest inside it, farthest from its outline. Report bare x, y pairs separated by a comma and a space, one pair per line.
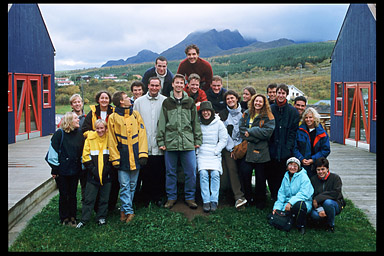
160, 230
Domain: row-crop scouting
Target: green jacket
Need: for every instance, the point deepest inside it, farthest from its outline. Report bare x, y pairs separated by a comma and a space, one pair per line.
179, 126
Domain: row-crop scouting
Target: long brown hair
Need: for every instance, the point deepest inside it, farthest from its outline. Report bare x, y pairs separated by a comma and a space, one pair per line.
266, 109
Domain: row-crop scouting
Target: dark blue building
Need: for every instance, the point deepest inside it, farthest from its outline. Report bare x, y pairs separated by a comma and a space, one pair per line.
353, 79
31, 91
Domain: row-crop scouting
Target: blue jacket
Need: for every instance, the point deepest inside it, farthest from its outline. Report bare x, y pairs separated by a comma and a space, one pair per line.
295, 190
302, 148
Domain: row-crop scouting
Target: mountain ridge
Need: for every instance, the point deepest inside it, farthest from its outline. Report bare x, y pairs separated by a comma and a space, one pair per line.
211, 43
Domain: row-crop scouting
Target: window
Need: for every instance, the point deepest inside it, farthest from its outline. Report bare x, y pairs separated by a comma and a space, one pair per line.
374, 102
10, 108
338, 99
46, 91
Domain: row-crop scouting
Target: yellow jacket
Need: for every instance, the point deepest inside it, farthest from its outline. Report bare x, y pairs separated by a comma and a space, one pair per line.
127, 139
95, 157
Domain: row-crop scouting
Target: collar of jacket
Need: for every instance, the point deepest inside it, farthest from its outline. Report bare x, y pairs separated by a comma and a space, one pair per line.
234, 111
185, 96
123, 111
152, 98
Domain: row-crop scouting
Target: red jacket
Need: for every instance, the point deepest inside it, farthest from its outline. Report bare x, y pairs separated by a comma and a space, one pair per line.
201, 67
199, 97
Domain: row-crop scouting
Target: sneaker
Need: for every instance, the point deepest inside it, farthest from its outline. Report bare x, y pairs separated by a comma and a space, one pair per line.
169, 204
191, 203
130, 217
240, 202
213, 206
123, 217
101, 222
80, 225
206, 207
73, 223
65, 222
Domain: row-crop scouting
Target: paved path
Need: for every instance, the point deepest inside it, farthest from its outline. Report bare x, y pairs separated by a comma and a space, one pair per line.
28, 172
357, 169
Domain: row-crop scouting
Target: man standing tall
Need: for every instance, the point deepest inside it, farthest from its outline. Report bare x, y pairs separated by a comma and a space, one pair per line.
153, 173
161, 71
194, 64
178, 134
282, 140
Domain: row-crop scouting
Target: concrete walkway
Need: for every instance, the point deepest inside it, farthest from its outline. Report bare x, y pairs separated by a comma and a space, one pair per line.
30, 183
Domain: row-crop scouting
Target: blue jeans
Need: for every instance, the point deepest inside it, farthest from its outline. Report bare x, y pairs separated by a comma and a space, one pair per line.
188, 163
128, 181
331, 209
209, 193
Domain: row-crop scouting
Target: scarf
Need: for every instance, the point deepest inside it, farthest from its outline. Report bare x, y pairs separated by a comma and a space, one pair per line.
207, 121
281, 104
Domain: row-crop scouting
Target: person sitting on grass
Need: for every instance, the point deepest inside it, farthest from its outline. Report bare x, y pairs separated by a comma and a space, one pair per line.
96, 161
328, 200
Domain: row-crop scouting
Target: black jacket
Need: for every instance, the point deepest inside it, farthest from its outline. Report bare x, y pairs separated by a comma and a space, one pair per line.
71, 151
283, 137
167, 86
328, 189
217, 99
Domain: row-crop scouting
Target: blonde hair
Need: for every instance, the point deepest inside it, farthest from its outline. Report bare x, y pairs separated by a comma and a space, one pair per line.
101, 121
67, 122
316, 116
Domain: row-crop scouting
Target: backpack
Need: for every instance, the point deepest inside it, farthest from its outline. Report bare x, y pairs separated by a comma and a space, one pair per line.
280, 220
52, 157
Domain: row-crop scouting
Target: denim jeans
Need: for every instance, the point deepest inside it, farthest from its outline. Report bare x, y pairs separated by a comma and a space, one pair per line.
209, 193
128, 181
331, 209
188, 163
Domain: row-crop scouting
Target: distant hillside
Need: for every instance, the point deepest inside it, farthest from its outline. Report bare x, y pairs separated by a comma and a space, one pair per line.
211, 43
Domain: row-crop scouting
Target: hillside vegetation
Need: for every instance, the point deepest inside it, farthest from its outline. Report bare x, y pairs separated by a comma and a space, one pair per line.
306, 66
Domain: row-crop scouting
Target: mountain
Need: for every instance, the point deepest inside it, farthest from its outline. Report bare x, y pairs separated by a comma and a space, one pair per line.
211, 43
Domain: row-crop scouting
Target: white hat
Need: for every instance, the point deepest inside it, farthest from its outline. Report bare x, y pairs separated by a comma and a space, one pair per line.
294, 160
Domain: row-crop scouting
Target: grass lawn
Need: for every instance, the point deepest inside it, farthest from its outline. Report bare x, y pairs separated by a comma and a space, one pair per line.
160, 230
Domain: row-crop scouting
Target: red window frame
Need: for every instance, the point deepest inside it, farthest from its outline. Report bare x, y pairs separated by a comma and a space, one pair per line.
10, 105
47, 91
338, 99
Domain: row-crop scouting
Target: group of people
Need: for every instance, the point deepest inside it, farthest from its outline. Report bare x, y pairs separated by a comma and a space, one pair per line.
204, 130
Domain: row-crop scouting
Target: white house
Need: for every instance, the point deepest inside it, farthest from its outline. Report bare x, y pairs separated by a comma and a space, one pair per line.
293, 92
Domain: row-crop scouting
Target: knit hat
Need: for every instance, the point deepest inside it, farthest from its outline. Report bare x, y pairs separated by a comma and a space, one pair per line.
294, 160
206, 105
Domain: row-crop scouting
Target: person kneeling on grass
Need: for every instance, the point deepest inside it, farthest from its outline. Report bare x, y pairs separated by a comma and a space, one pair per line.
215, 138
96, 161
328, 200
295, 194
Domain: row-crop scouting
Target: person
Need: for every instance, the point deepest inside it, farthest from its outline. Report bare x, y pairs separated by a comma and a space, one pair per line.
215, 94
300, 103
101, 111
256, 126
328, 200
271, 92
194, 64
67, 147
161, 71
96, 162
215, 138
128, 149
153, 173
193, 90
231, 116
76, 103
137, 89
295, 194
178, 134
312, 141
282, 140
248, 92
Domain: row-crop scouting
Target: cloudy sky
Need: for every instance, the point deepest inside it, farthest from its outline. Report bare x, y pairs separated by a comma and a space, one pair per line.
88, 35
